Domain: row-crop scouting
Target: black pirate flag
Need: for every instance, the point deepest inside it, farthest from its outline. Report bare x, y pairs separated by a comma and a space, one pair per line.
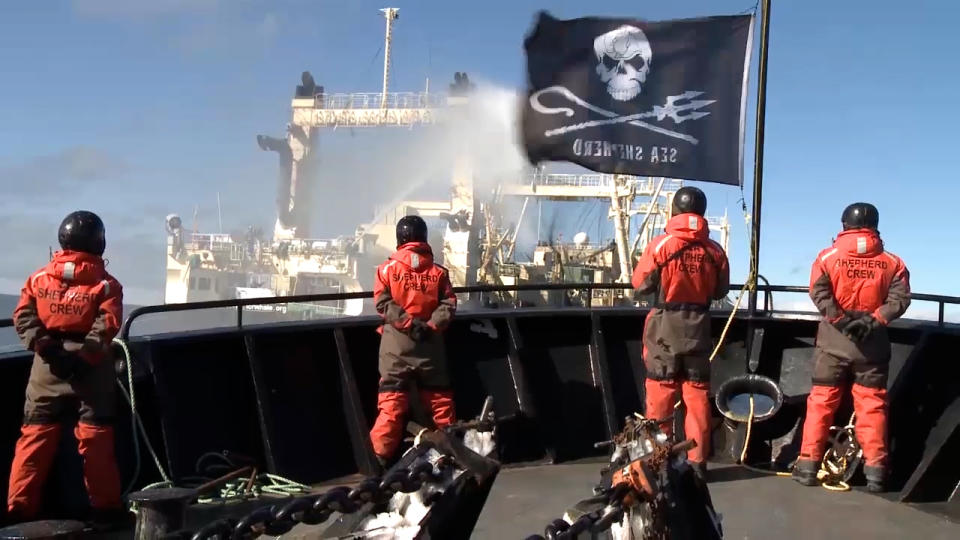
643, 98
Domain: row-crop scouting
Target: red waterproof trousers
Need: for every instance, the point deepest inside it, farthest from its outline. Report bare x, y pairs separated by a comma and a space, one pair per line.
661, 397
870, 406
48, 398
34, 456
387, 431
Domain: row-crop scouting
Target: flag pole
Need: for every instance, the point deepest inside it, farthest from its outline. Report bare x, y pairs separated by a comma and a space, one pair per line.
758, 157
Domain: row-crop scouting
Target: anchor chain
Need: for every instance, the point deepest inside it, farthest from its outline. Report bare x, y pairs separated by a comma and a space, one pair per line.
619, 499
280, 518
594, 522
625, 495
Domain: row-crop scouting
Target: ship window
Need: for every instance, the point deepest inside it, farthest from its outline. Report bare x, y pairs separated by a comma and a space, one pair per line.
203, 284
193, 283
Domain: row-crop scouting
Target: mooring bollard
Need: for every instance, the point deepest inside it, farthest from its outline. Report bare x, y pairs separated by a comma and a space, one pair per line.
160, 511
44, 530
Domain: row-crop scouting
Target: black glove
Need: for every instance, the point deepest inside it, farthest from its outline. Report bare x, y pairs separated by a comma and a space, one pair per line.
48, 346
92, 352
66, 362
419, 330
68, 366
859, 329
842, 323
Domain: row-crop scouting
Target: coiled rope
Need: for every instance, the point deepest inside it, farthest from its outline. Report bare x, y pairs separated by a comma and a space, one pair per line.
253, 486
136, 424
829, 475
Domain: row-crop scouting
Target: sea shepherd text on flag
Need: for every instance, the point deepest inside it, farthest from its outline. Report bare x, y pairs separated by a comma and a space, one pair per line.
642, 98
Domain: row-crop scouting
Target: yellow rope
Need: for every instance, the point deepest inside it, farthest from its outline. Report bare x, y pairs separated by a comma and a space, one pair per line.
746, 440
743, 454
831, 479
836, 485
750, 284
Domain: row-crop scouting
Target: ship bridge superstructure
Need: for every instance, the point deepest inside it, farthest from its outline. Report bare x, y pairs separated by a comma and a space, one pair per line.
290, 261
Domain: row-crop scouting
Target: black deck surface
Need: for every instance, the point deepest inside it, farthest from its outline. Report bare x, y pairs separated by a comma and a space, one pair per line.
525, 499
754, 507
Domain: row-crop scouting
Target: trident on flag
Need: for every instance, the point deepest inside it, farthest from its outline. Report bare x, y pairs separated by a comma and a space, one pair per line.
679, 113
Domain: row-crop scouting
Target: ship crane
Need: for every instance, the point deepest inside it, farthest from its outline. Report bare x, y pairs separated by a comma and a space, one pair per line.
624, 194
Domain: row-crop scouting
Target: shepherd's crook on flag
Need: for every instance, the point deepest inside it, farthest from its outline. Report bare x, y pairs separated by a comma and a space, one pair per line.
668, 109
599, 86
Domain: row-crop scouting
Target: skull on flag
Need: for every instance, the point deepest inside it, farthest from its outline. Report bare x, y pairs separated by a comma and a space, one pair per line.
623, 61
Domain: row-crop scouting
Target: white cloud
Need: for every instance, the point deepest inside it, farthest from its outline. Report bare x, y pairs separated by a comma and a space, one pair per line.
204, 25
77, 176
140, 8
76, 163
227, 34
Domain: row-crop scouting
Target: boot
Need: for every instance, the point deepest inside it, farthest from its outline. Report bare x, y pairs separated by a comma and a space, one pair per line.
805, 472
875, 477
382, 464
699, 469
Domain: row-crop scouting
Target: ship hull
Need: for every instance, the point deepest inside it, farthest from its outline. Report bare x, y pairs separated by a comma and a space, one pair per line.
299, 398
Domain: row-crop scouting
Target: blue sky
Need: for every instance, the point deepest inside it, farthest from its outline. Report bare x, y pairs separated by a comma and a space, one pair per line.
141, 108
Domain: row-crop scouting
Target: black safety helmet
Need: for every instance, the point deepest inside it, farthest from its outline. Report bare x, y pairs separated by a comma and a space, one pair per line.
860, 215
689, 200
411, 229
83, 231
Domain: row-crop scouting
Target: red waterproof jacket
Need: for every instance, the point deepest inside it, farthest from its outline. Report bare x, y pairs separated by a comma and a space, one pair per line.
73, 298
685, 265
410, 285
857, 275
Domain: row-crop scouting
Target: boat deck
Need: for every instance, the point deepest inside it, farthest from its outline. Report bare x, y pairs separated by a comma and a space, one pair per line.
754, 506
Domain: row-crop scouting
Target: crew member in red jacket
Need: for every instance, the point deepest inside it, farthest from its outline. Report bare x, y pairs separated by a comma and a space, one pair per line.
69, 312
686, 270
416, 301
858, 288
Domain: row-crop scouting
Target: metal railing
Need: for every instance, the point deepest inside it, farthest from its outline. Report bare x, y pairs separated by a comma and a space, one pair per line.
212, 242
941, 300
240, 303
571, 180
367, 100
644, 184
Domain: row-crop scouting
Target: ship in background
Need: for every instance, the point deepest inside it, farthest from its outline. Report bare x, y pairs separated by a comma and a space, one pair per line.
475, 232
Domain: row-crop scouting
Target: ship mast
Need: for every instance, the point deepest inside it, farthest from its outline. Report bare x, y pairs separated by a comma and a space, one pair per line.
390, 14
621, 223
